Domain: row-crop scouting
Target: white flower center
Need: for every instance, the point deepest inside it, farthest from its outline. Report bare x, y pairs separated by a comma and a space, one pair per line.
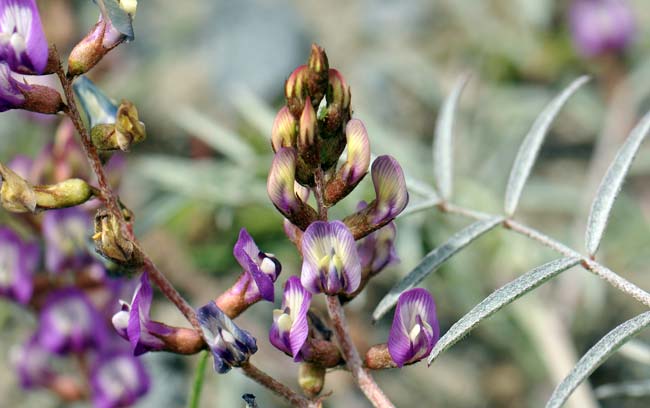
18, 43
283, 320
16, 23
268, 267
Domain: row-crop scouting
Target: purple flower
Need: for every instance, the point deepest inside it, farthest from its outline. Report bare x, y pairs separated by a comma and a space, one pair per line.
66, 234
11, 95
290, 328
32, 362
358, 157
230, 345
390, 189
284, 130
601, 26
377, 250
330, 259
18, 262
22, 41
70, 323
415, 327
280, 184
263, 269
117, 380
133, 322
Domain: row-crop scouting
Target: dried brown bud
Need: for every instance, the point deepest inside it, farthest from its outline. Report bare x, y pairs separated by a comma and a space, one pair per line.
41, 99
121, 135
111, 243
16, 194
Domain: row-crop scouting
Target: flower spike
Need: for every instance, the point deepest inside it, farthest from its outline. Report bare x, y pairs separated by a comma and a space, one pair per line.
415, 328
290, 328
331, 262
230, 345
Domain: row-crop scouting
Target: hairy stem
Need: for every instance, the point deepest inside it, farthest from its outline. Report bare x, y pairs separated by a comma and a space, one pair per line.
277, 387
362, 377
319, 178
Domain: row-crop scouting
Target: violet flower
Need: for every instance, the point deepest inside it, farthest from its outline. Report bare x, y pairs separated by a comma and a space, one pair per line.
18, 262
11, 95
290, 328
390, 189
230, 345
117, 379
32, 363
280, 184
66, 233
22, 41
262, 268
70, 323
133, 322
331, 262
601, 26
358, 155
415, 328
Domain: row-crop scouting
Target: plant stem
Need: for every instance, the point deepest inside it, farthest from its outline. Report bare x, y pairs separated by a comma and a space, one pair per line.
277, 387
319, 179
197, 387
362, 377
111, 201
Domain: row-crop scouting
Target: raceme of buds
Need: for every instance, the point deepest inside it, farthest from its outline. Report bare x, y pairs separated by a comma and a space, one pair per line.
355, 166
295, 90
290, 328
18, 263
599, 27
22, 41
230, 345
126, 130
307, 144
20, 95
33, 363
284, 130
133, 322
66, 235
262, 269
70, 323
101, 39
280, 187
117, 379
111, 243
415, 328
330, 259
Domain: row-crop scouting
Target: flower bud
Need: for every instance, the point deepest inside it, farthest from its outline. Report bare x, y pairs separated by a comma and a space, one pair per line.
68, 193
311, 378
20, 95
355, 166
307, 144
284, 130
295, 90
111, 243
230, 345
318, 74
101, 39
390, 189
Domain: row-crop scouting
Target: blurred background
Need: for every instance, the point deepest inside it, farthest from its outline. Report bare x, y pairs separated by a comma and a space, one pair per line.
208, 76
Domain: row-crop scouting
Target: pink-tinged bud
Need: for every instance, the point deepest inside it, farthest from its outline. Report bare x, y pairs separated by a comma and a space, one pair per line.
101, 39
295, 90
355, 166
307, 145
284, 130
339, 91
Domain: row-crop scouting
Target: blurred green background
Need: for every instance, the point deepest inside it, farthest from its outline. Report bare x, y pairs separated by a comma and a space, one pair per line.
208, 76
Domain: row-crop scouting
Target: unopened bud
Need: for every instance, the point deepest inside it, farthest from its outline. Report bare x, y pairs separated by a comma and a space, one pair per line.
68, 193
42, 99
16, 195
111, 243
338, 92
318, 74
311, 378
284, 130
307, 146
101, 39
295, 90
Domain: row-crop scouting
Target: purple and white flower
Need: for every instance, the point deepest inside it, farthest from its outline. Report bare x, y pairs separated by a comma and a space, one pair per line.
601, 26
32, 363
358, 157
69, 322
390, 189
133, 322
415, 328
66, 234
230, 345
22, 41
330, 259
117, 380
290, 328
18, 262
261, 269
11, 95
280, 184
